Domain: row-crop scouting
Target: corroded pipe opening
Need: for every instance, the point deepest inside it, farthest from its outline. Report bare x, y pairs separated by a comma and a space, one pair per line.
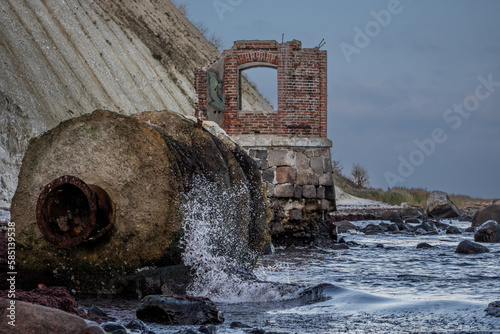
70, 212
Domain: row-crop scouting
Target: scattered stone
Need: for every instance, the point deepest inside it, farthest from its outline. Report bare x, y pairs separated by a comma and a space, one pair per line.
491, 212
469, 247
339, 246
137, 325
209, 329
344, 225
453, 230
404, 227
427, 227
185, 310
470, 230
237, 324
189, 331
268, 249
114, 328
389, 227
31, 318
424, 245
97, 311
488, 232
372, 229
439, 205
493, 309
412, 221
257, 331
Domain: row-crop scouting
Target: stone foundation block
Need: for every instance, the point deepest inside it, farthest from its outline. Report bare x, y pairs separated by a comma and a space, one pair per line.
317, 165
312, 179
309, 191
302, 161
281, 158
302, 177
326, 180
284, 190
297, 192
286, 174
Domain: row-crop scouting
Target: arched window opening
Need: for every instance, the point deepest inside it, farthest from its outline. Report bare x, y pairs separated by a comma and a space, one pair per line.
258, 80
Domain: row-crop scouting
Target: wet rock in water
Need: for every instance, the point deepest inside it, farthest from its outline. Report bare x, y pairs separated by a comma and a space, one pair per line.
97, 311
404, 227
339, 246
470, 230
412, 221
137, 325
344, 225
389, 227
488, 232
268, 249
491, 212
453, 230
121, 179
237, 324
440, 225
179, 311
424, 245
439, 205
31, 318
209, 329
469, 247
427, 227
493, 309
372, 229
114, 328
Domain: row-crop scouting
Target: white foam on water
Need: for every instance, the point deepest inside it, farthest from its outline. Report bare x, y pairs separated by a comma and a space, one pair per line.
216, 250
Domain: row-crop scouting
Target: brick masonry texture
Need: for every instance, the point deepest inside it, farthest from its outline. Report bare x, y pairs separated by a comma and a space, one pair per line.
302, 84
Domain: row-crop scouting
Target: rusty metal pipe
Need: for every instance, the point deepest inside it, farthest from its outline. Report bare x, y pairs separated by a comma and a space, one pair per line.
70, 212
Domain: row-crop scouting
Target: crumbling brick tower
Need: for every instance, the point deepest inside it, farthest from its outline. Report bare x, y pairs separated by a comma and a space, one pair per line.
290, 143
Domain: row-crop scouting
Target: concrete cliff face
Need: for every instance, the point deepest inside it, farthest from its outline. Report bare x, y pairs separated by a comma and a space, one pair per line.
62, 59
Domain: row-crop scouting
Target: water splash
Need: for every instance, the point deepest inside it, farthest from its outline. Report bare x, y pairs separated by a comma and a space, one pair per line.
216, 247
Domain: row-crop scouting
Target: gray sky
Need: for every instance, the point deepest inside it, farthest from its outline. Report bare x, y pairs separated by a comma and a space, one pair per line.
413, 86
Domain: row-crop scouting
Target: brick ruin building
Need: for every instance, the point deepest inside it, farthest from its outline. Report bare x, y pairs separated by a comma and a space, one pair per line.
289, 144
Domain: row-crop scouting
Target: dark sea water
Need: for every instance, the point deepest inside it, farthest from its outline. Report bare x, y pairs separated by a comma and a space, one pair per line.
382, 285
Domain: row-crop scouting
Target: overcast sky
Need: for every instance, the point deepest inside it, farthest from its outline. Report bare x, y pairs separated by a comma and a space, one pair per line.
413, 86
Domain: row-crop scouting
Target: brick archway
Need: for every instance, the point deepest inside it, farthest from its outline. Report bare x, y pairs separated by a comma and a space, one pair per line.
302, 81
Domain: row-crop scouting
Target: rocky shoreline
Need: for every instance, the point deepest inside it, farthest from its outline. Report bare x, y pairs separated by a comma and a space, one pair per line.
39, 292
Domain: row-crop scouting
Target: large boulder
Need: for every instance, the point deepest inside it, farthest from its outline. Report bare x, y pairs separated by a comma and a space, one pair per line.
102, 195
179, 310
491, 212
469, 247
439, 205
22, 317
488, 232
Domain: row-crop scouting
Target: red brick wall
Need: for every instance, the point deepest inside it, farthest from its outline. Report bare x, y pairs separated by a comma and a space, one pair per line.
302, 94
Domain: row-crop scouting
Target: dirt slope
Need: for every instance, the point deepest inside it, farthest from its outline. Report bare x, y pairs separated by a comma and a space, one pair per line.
62, 59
